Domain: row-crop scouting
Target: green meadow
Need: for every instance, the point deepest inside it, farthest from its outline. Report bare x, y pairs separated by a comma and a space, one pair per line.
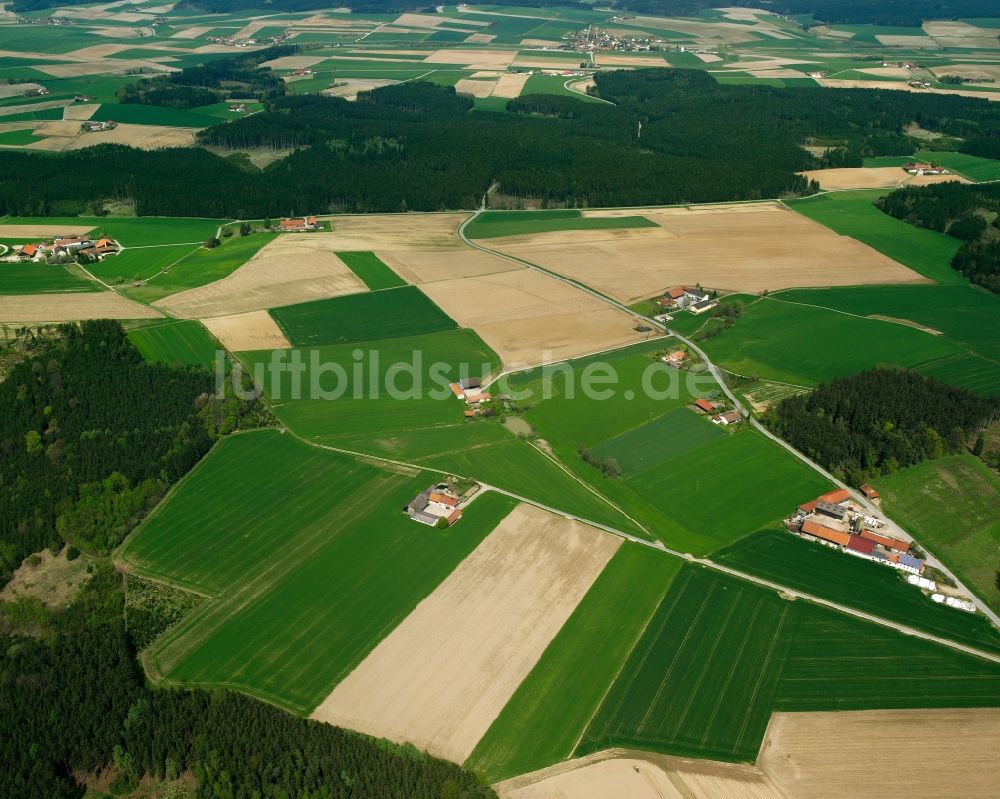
178, 341
786, 559
852, 213
373, 273
133, 231
356, 318
32, 278
952, 505
719, 655
545, 717
969, 166
492, 224
793, 343
316, 538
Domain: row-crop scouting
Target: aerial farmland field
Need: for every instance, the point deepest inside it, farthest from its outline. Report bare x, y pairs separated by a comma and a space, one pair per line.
34, 278
175, 341
375, 274
263, 567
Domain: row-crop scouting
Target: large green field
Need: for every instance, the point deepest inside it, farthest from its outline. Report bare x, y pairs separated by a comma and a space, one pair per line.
32, 278
851, 213
719, 655
369, 267
830, 574
491, 224
178, 341
355, 318
542, 722
953, 506
970, 166
309, 564
795, 343
133, 231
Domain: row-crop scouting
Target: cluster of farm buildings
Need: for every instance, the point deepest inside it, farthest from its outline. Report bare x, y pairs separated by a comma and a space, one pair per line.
834, 519
298, 225
685, 298
715, 410
470, 391
917, 168
67, 246
439, 502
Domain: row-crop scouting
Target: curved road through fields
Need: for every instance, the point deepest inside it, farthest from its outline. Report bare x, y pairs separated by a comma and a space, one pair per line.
717, 374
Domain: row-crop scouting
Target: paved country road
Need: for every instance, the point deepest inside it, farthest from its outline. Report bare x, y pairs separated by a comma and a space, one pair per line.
716, 372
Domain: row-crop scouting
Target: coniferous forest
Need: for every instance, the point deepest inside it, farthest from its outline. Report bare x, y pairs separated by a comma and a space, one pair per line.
967, 212
73, 705
880, 421
672, 136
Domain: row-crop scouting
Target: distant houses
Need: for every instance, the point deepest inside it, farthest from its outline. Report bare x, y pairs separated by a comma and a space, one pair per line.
924, 169
727, 418
680, 298
439, 505
470, 391
298, 225
95, 126
62, 247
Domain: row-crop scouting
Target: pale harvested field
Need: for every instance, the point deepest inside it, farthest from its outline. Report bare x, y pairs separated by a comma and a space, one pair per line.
101, 67
728, 32
980, 72
477, 88
539, 43
80, 111
836, 83
920, 42
831, 33
396, 52
530, 318
247, 331
709, 58
445, 673
350, 88
920, 754
770, 63
292, 268
147, 137
11, 110
16, 89
511, 85
612, 60
294, 62
42, 231
640, 775
71, 307
477, 59
434, 20
427, 266
479, 38
886, 72
549, 63
191, 33
777, 73
581, 86
486, 73
882, 177
396, 231
929, 180
748, 247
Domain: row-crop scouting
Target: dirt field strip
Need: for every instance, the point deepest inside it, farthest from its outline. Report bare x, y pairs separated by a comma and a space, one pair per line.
444, 674
349, 88
920, 753
528, 317
477, 88
747, 247
80, 112
640, 775
511, 85
295, 267
610, 60
475, 59
146, 137
255, 330
18, 89
42, 231
479, 38
294, 62
71, 307
882, 177
429, 266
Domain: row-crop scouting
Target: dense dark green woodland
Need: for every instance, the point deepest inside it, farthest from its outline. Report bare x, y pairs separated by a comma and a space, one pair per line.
967, 212
672, 136
91, 436
237, 76
73, 703
880, 421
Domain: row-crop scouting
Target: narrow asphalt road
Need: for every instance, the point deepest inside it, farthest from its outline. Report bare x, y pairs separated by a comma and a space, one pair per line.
716, 372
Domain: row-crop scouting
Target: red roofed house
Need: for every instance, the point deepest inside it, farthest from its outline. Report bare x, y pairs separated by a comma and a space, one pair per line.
836, 497
456, 389
825, 533
443, 499
704, 405
28, 251
869, 492
297, 225
455, 516
860, 546
808, 507
893, 544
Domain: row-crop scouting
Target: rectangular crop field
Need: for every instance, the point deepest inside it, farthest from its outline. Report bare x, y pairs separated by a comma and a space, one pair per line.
393, 313
786, 559
178, 341
443, 675
545, 718
31, 278
309, 564
953, 506
970, 166
375, 274
854, 214
794, 343
491, 224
